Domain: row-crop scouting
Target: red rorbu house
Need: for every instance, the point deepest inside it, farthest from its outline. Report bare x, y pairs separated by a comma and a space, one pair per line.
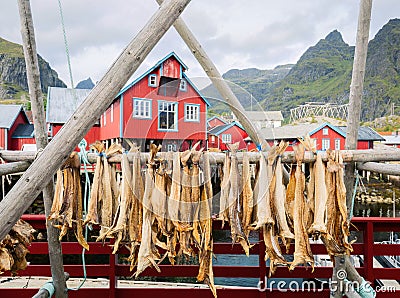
61, 104
325, 135
15, 129
215, 121
162, 106
222, 135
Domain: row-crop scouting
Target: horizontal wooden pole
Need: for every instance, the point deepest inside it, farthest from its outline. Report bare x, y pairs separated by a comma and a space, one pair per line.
361, 156
14, 167
382, 168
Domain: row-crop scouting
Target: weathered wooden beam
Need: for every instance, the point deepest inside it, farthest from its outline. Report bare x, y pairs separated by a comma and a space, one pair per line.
216, 78
37, 105
369, 155
381, 168
99, 99
14, 167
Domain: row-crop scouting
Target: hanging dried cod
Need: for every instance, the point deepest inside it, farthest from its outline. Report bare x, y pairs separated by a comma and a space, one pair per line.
13, 248
205, 229
337, 224
234, 208
224, 193
66, 211
148, 254
302, 249
246, 195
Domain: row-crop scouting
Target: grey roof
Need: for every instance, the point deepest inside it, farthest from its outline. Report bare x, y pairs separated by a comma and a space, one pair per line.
23, 131
265, 115
216, 130
391, 140
9, 114
295, 131
365, 133
288, 131
62, 103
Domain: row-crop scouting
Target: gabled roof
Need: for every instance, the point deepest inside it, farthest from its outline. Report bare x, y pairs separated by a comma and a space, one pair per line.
24, 131
295, 131
365, 133
216, 117
157, 65
9, 114
62, 103
391, 139
265, 115
217, 130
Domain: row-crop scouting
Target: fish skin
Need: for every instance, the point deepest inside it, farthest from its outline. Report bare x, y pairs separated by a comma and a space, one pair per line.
290, 193
321, 196
272, 249
224, 193
279, 203
58, 196
302, 251
237, 234
247, 195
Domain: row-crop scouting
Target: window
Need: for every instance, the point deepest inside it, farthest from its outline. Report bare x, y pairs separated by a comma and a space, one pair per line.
337, 144
142, 108
183, 85
112, 113
325, 131
167, 115
168, 87
227, 138
212, 139
153, 80
192, 112
325, 144
171, 147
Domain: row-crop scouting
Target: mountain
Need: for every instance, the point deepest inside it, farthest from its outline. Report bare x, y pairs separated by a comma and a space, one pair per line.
85, 84
323, 74
13, 80
250, 86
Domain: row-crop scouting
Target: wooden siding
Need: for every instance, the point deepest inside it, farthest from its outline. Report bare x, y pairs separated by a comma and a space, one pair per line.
92, 135
215, 122
237, 135
17, 143
3, 142
112, 128
332, 136
171, 68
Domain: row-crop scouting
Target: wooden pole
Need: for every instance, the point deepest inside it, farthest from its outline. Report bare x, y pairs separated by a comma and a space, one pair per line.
353, 118
13, 167
212, 72
99, 99
356, 90
37, 105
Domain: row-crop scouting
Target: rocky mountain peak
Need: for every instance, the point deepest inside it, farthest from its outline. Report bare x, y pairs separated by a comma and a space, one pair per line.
335, 37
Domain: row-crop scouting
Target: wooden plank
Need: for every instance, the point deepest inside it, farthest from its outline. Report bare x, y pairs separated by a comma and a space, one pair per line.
35, 178
382, 168
13, 167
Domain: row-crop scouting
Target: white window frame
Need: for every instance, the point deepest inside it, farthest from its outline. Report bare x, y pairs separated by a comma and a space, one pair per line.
141, 108
325, 131
226, 138
112, 113
337, 144
171, 147
168, 107
326, 144
152, 81
192, 113
105, 119
212, 139
183, 85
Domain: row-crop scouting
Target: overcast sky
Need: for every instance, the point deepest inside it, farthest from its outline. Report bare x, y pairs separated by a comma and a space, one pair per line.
235, 33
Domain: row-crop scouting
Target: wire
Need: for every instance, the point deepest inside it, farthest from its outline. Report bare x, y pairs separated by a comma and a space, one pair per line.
66, 43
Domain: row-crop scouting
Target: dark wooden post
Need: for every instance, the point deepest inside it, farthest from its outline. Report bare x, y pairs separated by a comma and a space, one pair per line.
35, 178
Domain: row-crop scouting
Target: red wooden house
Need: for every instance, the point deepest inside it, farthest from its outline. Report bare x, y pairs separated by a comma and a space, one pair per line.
162, 106
222, 135
325, 135
215, 121
61, 104
15, 129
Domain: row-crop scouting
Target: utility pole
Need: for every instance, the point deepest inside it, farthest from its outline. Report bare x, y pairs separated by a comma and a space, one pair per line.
36, 97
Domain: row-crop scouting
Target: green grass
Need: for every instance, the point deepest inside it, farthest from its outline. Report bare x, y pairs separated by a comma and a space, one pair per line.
10, 48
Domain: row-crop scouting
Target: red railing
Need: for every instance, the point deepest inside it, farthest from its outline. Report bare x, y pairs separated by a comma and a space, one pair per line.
113, 269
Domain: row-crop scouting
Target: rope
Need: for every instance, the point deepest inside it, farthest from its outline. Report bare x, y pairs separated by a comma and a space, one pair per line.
84, 160
66, 43
353, 196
